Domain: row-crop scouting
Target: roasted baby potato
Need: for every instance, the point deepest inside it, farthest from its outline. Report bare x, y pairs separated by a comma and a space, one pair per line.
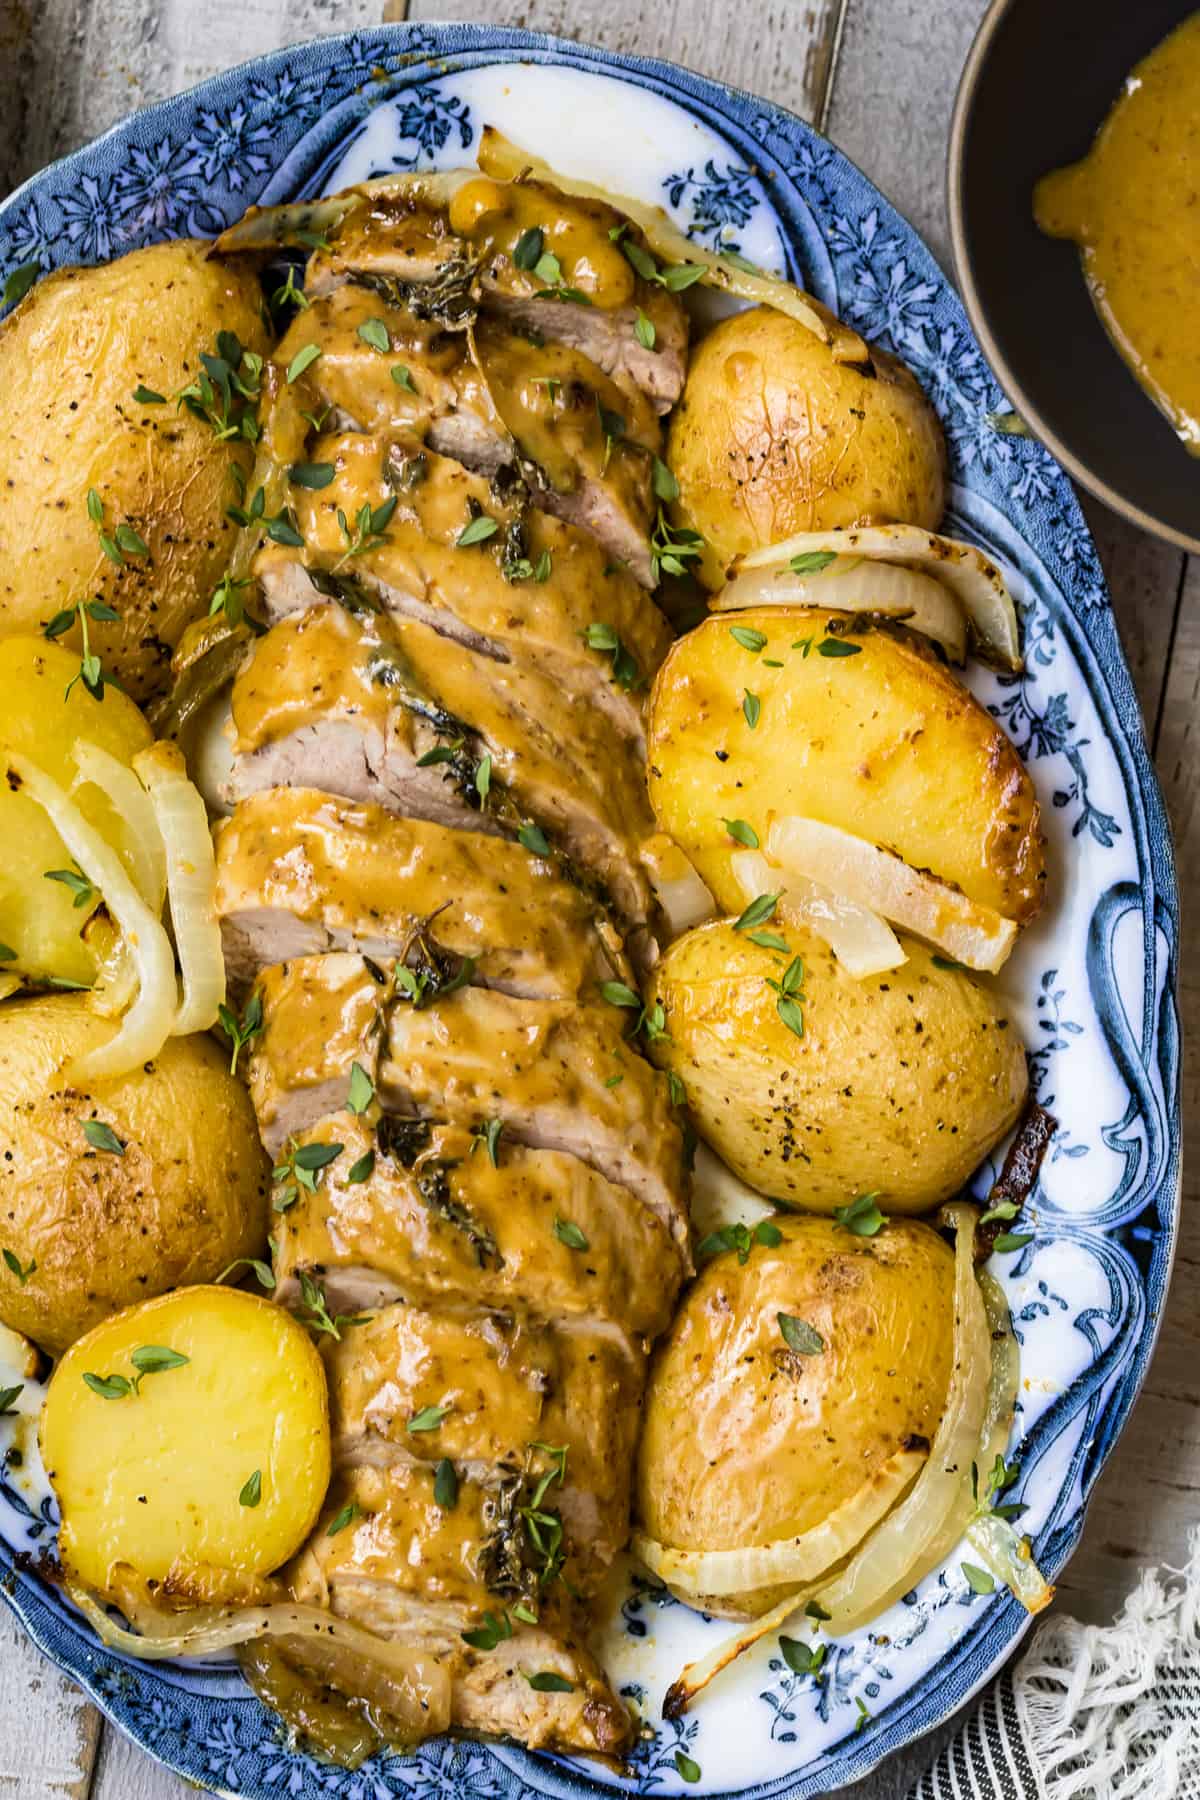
900, 1083
860, 726
42, 921
187, 1440
99, 337
773, 436
746, 1440
151, 1182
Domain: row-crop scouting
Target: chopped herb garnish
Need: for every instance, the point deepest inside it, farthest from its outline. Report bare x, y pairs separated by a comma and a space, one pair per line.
742, 833
947, 962
601, 636
361, 1091
799, 1335
1008, 1241
493, 1631
619, 993
155, 1359
862, 1218
836, 646
978, 1580
91, 673
547, 1682
672, 547
346, 1516
428, 1419
251, 1492
811, 562
665, 485
802, 1658
675, 277
370, 526
314, 1313
689, 1769
768, 940
147, 397
1003, 1209
102, 1137
224, 395
477, 531
78, 883
375, 334
13, 1262
8, 1398
402, 378
483, 777
264, 1273
303, 359
533, 839
300, 1168
445, 1485
748, 638
527, 251
757, 913
740, 1238
241, 1031
19, 281
864, 1717
751, 708
488, 1135
568, 1233
643, 331
789, 992
227, 597
311, 475
109, 1387
363, 1169
814, 1610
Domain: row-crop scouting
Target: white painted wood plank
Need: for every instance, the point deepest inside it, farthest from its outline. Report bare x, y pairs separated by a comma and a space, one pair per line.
49, 1731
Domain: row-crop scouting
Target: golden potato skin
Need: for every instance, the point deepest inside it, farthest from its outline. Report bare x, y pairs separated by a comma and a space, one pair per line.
188, 1196
772, 436
150, 1482
902, 1082
886, 743
744, 1441
41, 720
71, 356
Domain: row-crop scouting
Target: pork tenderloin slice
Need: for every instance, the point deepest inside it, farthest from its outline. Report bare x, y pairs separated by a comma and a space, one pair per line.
405, 1567
502, 1388
429, 712
436, 1223
407, 248
541, 1067
535, 588
299, 873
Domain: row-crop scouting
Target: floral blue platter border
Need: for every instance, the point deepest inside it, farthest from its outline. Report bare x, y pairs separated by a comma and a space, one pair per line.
1092, 985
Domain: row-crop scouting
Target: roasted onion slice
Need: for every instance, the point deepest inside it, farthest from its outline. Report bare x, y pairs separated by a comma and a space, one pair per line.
863, 943
853, 584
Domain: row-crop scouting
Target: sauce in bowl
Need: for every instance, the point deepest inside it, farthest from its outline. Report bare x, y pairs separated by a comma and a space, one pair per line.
1133, 207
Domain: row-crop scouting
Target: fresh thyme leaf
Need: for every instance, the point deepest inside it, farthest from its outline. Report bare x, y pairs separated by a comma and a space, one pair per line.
19, 281
688, 1769
95, 507
676, 1091
1008, 1241
129, 543
978, 1580
363, 1169
644, 331
7, 953
527, 251
811, 562
742, 833
428, 1419
748, 638
757, 913
361, 1091
767, 1234
864, 1717
1008, 424
441, 753
533, 839
477, 531
147, 397
643, 263
13, 1262
814, 1610
251, 1492
547, 1682
109, 1387
802, 1658
402, 378
62, 621
681, 275
314, 1313
483, 776
568, 1233
241, 1031
946, 962
79, 885
102, 1137
311, 475
303, 359
488, 1134
264, 1273
751, 708
8, 1398
1003, 1209
282, 530
493, 1631
665, 485
603, 637
862, 1218
672, 547
227, 597
836, 646
619, 993
445, 1485
375, 334
791, 1014
799, 1335
346, 1516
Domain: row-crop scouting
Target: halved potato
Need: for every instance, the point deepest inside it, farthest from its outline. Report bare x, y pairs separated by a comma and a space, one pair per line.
900, 1083
858, 726
746, 1441
774, 435
211, 1471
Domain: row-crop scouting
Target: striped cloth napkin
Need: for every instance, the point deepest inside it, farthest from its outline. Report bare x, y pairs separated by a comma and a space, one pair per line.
1091, 1712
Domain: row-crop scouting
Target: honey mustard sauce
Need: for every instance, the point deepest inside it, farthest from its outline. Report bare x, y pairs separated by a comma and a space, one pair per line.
1133, 207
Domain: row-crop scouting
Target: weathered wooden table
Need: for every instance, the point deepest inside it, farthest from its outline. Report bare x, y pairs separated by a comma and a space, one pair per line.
879, 77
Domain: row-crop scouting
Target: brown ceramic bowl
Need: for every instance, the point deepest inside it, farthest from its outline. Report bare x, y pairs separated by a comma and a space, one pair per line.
1039, 80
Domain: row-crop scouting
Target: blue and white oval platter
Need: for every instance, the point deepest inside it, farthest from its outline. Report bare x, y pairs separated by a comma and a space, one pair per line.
1092, 983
